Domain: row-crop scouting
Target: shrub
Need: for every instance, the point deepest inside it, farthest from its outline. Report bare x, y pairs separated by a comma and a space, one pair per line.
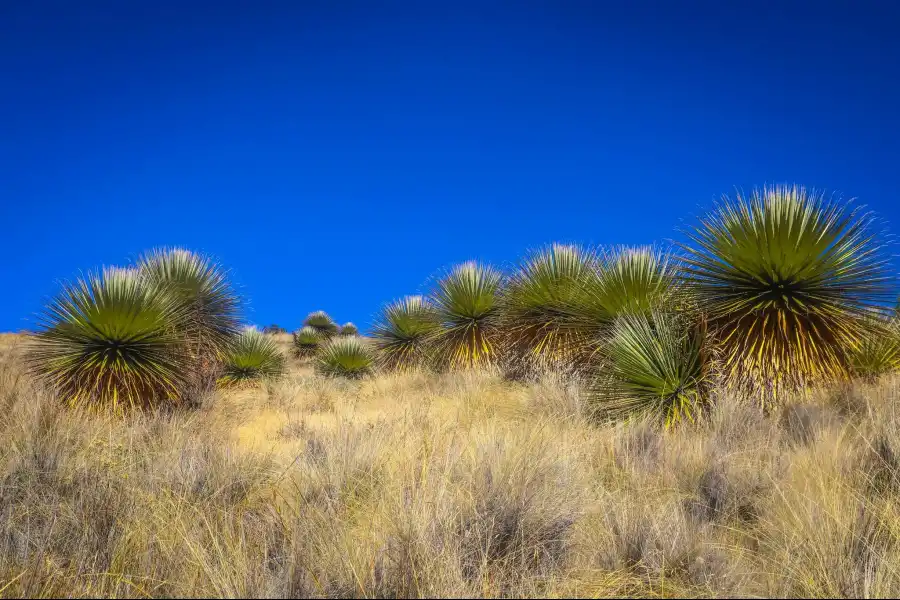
111, 341
321, 322
306, 341
878, 353
274, 329
402, 331
349, 329
789, 280
467, 308
655, 365
349, 357
253, 356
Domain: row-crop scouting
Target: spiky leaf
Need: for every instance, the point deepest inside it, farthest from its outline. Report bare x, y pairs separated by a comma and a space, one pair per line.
349, 329
321, 322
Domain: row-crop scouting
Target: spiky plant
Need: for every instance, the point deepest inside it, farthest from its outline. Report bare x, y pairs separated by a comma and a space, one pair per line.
627, 280
789, 280
321, 322
655, 364
306, 341
110, 340
252, 356
537, 301
349, 357
466, 303
202, 287
401, 333
349, 329
878, 353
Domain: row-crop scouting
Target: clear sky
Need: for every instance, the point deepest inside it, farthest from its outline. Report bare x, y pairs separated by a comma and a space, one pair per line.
335, 155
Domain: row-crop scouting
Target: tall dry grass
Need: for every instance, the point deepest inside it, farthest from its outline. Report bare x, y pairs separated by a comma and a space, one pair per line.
445, 485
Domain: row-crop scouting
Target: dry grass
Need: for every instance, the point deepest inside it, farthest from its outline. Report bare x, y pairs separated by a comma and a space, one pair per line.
455, 485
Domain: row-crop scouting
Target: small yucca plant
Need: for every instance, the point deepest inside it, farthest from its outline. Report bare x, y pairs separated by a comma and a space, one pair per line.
789, 281
537, 302
252, 356
321, 322
306, 341
626, 281
878, 353
401, 333
111, 340
202, 287
654, 365
349, 329
466, 303
349, 357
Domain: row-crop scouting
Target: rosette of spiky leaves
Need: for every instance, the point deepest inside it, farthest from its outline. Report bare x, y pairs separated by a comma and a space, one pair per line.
878, 353
789, 281
537, 301
110, 341
349, 357
321, 322
252, 356
349, 329
306, 341
655, 364
202, 286
466, 303
402, 331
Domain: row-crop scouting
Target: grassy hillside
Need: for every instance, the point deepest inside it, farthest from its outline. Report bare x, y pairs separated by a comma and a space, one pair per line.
451, 485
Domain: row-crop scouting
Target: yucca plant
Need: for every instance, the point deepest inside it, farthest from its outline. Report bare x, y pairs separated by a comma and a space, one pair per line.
655, 364
402, 330
349, 329
537, 303
111, 341
466, 303
878, 353
306, 341
202, 286
349, 357
322, 323
789, 280
252, 356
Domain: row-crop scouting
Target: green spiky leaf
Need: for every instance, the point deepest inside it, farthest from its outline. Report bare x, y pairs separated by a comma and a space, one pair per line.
321, 322
349, 329
306, 341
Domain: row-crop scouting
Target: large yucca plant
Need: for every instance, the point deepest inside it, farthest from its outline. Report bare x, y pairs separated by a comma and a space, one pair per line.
538, 299
202, 287
655, 364
349, 357
402, 330
306, 341
321, 322
252, 356
466, 302
789, 280
111, 340
349, 329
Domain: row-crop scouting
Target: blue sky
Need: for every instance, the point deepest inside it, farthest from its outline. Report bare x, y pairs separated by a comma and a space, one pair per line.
335, 155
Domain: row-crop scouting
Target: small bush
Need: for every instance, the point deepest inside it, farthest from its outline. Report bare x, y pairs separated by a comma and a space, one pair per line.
306, 341
349, 329
321, 322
